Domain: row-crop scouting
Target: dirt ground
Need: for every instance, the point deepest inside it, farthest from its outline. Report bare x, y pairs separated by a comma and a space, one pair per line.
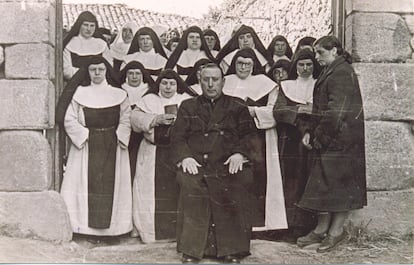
362, 250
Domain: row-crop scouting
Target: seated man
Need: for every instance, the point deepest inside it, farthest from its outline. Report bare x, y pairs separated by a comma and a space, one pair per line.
211, 145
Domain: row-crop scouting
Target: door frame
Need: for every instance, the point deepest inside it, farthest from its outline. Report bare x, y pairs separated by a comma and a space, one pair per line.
56, 136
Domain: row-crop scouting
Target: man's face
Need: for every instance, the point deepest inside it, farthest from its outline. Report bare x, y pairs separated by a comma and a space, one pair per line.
87, 29
97, 73
244, 67
145, 43
193, 41
212, 82
134, 77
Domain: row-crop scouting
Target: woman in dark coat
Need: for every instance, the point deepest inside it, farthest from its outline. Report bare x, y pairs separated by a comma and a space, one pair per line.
337, 182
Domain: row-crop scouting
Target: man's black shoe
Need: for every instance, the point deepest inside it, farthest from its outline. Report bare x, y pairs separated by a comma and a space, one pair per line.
231, 259
189, 260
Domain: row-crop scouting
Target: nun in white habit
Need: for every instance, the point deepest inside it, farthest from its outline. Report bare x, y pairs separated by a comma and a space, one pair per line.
83, 40
245, 79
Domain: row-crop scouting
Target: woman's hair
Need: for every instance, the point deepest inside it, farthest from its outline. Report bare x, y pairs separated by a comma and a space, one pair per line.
146, 76
182, 87
158, 47
271, 47
302, 55
246, 53
329, 42
74, 31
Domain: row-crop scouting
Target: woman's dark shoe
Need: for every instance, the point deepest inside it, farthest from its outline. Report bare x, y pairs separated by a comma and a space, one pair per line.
231, 259
309, 239
330, 242
189, 260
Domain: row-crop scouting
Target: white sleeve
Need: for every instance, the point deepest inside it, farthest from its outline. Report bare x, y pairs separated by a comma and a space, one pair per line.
264, 115
68, 69
123, 131
141, 122
77, 133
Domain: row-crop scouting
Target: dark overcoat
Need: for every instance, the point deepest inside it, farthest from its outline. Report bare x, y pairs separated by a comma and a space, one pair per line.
337, 180
213, 199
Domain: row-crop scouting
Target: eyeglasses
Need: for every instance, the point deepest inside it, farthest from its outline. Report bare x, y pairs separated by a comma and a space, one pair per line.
241, 64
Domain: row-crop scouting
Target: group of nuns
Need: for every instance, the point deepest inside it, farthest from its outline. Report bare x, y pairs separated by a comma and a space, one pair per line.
121, 99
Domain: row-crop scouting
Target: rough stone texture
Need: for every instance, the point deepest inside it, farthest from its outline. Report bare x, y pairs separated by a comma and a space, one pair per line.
410, 23
387, 90
412, 44
27, 21
39, 215
52, 22
25, 161
389, 212
293, 19
400, 6
30, 61
1, 55
389, 150
390, 32
26, 104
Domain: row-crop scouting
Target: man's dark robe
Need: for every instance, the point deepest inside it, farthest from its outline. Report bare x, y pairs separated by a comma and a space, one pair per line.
214, 205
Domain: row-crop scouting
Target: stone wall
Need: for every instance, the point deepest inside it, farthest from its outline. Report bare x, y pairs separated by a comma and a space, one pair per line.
379, 34
293, 19
28, 205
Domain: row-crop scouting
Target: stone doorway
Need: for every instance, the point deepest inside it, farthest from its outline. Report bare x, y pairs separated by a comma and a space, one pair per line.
56, 136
